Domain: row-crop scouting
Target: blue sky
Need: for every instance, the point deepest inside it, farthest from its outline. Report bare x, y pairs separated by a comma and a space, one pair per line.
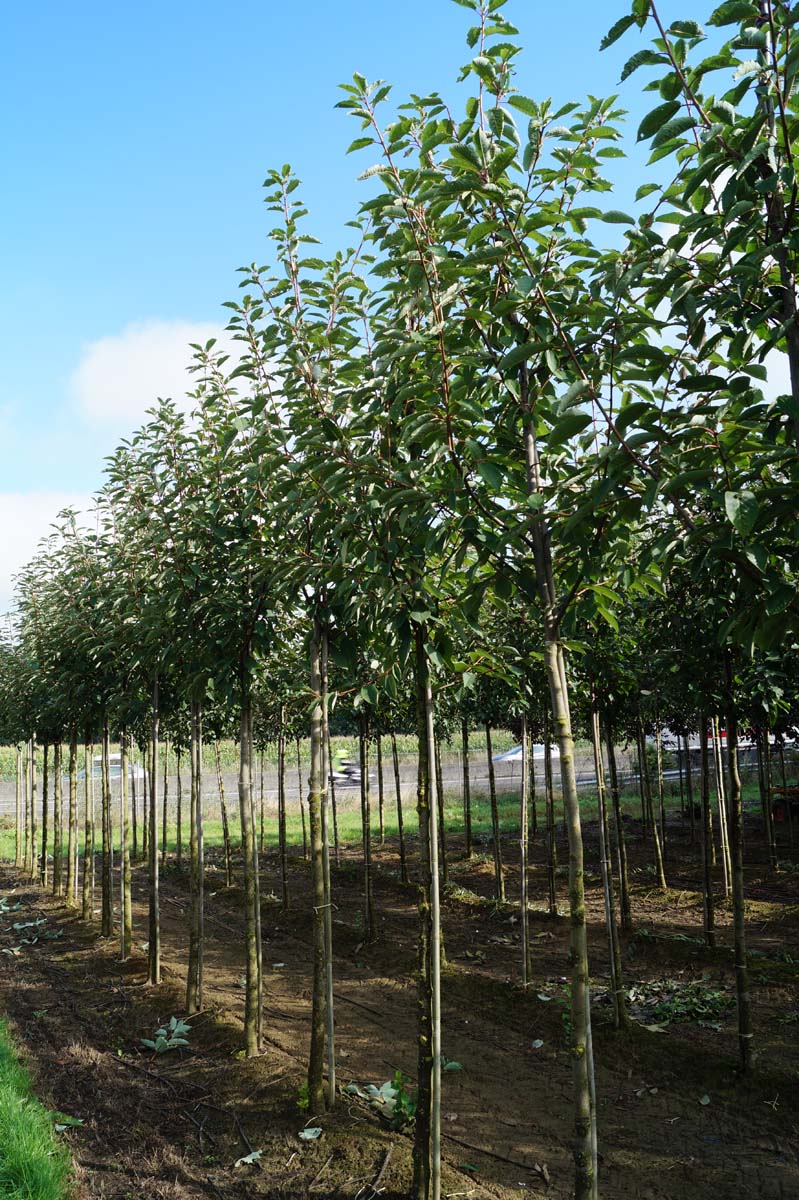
135, 140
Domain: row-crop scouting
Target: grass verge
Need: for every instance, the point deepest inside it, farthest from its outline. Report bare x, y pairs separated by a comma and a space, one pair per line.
32, 1164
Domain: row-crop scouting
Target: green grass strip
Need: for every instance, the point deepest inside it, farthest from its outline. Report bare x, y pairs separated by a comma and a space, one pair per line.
33, 1166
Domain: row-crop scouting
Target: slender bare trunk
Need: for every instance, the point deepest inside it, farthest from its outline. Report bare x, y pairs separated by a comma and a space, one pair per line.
707, 838
154, 946
369, 927
225, 819
72, 833
194, 977
58, 850
45, 808
467, 790
620, 1017
33, 864
745, 1034
621, 841
499, 880
281, 810
381, 794
107, 878
400, 823
126, 927
253, 992
523, 836
552, 849
427, 1140
300, 790
87, 911
18, 812
316, 1060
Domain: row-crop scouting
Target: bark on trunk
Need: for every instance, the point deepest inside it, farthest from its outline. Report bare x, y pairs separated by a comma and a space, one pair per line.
499, 880
745, 1034
400, 823
253, 984
154, 948
72, 832
467, 790
621, 840
707, 839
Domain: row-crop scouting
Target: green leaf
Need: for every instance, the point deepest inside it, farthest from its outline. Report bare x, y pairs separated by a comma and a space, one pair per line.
673, 129
567, 428
742, 510
644, 58
525, 105
655, 119
687, 29
617, 30
614, 217
733, 12
491, 475
518, 355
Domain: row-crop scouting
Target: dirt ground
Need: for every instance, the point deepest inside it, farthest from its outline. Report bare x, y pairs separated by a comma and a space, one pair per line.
675, 1119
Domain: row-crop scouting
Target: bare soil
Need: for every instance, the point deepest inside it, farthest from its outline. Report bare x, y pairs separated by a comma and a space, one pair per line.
675, 1118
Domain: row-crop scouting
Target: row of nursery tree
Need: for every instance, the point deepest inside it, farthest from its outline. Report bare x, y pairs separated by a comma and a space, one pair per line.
477, 470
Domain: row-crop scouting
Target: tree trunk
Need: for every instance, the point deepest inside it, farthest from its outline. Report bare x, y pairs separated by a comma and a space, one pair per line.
261, 803
765, 795
72, 833
178, 809
18, 827
523, 835
316, 1060
281, 810
381, 817
194, 977
154, 948
253, 994
648, 806
552, 849
57, 820
584, 1148
165, 804
400, 823
442, 827
301, 801
328, 891
126, 940
26, 807
369, 928
499, 881
225, 821
745, 1034
133, 802
427, 1139
620, 1017
689, 788
87, 911
661, 786
467, 790
621, 841
45, 805
107, 888
721, 803
33, 864
707, 839
145, 816
329, 757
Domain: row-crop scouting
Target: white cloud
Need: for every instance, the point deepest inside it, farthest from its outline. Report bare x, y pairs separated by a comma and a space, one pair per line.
26, 518
120, 376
